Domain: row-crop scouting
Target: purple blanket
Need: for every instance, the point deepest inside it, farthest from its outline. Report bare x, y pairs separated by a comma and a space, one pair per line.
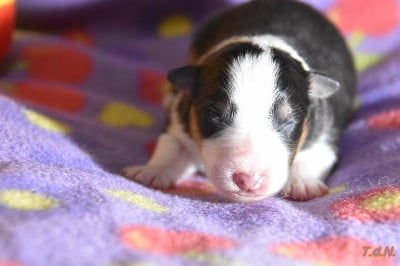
81, 91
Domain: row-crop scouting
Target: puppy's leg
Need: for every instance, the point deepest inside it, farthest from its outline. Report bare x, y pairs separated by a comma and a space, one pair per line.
169, 162
310, 167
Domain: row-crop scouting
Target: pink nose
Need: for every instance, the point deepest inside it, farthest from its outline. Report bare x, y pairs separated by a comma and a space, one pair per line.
245, 181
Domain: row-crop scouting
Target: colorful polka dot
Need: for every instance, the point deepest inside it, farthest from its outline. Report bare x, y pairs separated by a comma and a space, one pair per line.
57, 63
171, 242
337, 189
59, 98
46, 123
362, 60
175, 25
385, 201
343, 15
212, 259
335, 250
9, 263
118, 114
379, 205
355, 39
151, 86
385, 120
26, 200
138, 200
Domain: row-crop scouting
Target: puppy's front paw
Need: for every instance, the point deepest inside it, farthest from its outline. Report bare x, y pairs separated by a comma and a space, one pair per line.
150, 176
301, 189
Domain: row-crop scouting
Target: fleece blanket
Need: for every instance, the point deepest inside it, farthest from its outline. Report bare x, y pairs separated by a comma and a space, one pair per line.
81, 86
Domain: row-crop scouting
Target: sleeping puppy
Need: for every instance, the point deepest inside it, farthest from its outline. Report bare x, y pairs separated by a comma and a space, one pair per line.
260, 107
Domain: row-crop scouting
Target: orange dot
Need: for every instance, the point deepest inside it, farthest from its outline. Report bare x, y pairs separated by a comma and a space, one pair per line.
57, 63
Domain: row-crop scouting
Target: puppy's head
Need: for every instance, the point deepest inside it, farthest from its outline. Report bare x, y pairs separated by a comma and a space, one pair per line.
248, 115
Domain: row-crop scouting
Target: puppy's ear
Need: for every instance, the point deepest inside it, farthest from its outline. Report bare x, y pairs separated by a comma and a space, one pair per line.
322, 86
184, 78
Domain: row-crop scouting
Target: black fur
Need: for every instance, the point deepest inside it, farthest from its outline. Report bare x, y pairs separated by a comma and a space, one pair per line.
210, 88
292, 90
215, 111
309, 33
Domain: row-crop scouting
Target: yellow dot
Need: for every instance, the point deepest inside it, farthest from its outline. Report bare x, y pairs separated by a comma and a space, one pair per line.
384, 201
337, 189
287, 251
46, 123
212, 259
364, 61
26, 200
140, 240
138, 200
355, 39
175, 25
118, 114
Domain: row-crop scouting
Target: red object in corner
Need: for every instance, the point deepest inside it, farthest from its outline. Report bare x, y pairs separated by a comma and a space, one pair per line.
7, 22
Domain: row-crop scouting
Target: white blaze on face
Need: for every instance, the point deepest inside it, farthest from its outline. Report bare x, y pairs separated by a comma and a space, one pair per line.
251, 146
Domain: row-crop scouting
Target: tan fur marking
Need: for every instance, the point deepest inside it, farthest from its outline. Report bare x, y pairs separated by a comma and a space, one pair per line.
302, 139
304, 134
221, 46
194, 128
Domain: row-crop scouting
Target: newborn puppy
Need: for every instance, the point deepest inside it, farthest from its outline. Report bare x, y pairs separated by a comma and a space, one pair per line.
261, 105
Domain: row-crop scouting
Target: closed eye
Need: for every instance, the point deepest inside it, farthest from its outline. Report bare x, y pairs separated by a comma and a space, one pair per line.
282, 110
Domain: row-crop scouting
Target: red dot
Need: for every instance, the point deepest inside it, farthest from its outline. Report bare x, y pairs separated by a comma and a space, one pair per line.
9, 263
356, 15
62, 99
334, 250
352, 208
170, 242
57, 63
386, 120
150, 87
